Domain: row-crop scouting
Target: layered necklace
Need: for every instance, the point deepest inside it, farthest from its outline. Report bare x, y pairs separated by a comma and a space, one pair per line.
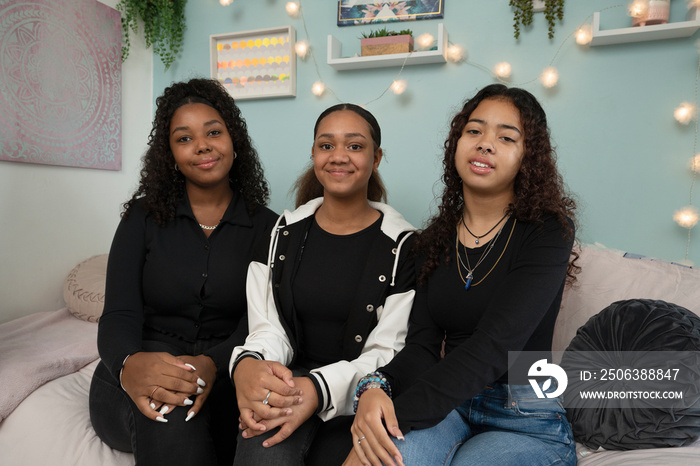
469, 269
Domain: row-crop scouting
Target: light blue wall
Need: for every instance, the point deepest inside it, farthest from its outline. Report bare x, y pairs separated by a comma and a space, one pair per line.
611, 115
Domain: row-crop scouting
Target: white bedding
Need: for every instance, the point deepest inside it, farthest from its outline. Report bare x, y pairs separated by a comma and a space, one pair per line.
41, 347
52, 427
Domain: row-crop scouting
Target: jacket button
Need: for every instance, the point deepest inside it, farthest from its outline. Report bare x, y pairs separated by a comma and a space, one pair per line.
204, 275
370, 308
393, 251
358, 338
285, 232
382, 278
282, 257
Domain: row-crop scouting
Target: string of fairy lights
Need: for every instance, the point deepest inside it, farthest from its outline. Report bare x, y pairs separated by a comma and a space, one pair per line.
687, 112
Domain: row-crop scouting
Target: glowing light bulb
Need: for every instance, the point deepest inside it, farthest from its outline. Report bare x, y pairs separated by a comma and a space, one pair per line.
687, 217
695, 163
292, 9
318, 88
225, 2
301, 48
425, 41
685, 113
584, 35
549, 77
638, 8
455, 53
398, 86
502, 70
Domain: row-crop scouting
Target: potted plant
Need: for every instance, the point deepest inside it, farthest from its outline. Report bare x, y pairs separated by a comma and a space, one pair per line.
523, 9
383, 42
163, 25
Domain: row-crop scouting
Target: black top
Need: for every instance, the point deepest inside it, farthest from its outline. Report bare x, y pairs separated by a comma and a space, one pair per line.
324, 300
174, 280
513, 309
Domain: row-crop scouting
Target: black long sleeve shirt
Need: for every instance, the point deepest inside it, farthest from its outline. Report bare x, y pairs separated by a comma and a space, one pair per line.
513, 309
174, 280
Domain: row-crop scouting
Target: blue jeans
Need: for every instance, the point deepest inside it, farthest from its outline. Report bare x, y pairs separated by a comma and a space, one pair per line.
504, 425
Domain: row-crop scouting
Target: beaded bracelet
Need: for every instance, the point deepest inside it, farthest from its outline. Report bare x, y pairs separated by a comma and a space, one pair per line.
374, 380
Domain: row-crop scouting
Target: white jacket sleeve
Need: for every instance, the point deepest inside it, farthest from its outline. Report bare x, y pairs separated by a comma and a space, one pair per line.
266, 334
388, 338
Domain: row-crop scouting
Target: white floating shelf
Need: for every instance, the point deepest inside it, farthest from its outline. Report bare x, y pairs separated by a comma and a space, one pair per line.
381, 61
644, 33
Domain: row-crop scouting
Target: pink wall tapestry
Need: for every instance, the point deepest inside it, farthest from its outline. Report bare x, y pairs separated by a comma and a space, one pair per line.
60, 83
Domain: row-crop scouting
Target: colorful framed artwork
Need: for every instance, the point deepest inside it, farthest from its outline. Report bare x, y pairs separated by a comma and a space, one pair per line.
356, 12
60, 83
255, 64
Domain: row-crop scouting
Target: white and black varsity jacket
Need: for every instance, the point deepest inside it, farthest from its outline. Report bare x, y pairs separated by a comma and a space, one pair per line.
376, 328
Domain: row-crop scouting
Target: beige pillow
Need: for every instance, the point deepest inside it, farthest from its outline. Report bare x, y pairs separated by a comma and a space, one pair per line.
84, 290
606, 276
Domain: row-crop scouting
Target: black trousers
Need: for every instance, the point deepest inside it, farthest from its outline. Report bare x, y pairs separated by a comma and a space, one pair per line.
314, 443
209, 438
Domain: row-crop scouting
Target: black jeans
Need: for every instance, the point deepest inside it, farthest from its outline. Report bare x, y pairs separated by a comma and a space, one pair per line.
314, 443
209, 438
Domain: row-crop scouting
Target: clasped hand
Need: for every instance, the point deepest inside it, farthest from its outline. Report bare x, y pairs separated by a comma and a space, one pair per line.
157, 382
285, 407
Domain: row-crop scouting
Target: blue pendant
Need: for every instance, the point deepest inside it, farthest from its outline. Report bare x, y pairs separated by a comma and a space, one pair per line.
469, 281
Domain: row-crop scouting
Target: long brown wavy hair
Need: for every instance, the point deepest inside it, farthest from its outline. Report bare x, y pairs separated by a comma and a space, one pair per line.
308, 187
162, 186
538, 187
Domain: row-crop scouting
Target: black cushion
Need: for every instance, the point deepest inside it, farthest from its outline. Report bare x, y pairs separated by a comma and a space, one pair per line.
634, 327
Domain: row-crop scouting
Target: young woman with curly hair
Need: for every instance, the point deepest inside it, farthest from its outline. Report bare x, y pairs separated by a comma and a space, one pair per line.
175, 298
492, 267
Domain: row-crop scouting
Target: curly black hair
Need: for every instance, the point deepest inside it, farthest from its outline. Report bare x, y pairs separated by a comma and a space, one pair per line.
539, 188
162, 186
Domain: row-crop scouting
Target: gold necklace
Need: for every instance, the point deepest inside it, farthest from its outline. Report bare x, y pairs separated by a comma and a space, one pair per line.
470, 272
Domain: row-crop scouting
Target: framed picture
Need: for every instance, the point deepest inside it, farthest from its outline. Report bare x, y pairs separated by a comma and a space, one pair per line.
255, 64
356, 12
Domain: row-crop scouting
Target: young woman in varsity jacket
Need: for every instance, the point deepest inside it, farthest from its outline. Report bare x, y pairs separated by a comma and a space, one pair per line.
330, 305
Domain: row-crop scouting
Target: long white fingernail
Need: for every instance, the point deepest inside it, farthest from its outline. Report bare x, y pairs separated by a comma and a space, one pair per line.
153, 406
188, 402
199, 390
190, 365
201, 382
164, 409
189, 416
161, 419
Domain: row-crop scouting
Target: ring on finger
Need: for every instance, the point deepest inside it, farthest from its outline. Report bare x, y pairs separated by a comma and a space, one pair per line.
267, 398
154, 391
360, 439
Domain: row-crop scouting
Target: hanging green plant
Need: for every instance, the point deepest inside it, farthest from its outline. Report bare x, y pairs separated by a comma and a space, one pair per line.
163, 26
522, 14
